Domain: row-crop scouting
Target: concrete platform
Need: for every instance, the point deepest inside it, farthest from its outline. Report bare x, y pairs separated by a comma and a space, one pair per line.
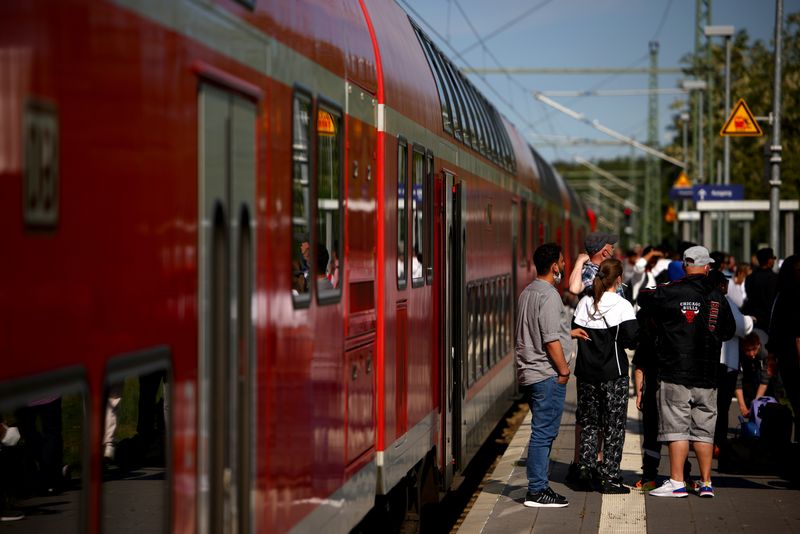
743, 503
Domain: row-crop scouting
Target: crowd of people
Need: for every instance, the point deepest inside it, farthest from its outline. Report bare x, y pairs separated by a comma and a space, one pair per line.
702, 330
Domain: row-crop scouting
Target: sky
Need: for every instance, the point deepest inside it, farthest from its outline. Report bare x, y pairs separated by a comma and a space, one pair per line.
580, 34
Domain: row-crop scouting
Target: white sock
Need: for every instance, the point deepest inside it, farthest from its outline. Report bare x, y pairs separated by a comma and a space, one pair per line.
676, 483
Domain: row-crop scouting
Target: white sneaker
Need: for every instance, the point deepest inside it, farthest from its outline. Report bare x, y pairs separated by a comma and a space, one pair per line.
668, 489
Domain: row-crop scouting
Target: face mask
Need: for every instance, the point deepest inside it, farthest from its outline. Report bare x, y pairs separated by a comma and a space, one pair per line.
557, 277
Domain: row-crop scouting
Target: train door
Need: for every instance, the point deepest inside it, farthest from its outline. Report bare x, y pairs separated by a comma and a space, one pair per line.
452, 271
360, 312
227, 170
444, 296
459, 307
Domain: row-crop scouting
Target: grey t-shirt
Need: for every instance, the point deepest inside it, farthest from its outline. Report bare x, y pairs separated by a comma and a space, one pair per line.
538, 323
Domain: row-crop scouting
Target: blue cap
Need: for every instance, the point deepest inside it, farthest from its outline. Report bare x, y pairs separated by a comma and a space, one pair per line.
675, 271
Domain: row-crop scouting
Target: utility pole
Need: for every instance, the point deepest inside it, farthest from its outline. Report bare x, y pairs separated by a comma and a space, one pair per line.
727, 32
702, 19
652, 178
775, 159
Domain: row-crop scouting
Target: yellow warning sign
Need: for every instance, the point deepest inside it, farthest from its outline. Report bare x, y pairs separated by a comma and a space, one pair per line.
682, 181
741, 123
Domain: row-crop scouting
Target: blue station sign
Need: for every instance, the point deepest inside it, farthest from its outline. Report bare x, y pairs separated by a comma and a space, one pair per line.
709, 192
681, 193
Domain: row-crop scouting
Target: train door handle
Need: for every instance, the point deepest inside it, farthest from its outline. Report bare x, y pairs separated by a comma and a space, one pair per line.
355, 371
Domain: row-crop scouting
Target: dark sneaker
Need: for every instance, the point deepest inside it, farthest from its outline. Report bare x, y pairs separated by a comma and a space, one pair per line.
546, 498
613, 487
573, 473
585, 479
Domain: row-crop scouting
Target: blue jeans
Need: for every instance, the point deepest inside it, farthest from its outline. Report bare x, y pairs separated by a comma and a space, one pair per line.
546, 399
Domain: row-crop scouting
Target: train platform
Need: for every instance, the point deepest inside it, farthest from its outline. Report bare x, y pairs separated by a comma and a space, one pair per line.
743, 503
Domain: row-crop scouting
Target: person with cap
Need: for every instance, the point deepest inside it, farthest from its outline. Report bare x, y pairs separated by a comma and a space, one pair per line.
761, 288
599, 246
692, 319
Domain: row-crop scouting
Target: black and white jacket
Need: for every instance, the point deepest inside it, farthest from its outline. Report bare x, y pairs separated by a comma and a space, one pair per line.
612, 328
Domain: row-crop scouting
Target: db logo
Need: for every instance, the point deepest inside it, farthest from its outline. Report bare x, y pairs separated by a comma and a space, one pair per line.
690, 315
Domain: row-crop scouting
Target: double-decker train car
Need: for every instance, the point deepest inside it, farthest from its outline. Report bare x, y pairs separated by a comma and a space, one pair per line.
261, 263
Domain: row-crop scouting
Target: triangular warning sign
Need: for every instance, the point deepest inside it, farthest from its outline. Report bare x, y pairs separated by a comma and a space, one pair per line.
741, 122
682, 181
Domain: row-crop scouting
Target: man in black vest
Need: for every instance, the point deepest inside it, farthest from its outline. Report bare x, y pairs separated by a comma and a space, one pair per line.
692, 319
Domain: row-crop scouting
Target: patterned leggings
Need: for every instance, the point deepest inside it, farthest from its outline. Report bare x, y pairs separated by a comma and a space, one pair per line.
603, 406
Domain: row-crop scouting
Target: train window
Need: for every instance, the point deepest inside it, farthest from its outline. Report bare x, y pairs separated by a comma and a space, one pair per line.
497, 314
327, 253
491, 140
470, 334
418, 201
479, 327
470, 131
496, 127
523, 234
444, 99
501, 317
508, 154
487, 326
458, 114
402, 223
495, 322
301, 210
429, 216
506, 297
44, 456
135, 443
480, 117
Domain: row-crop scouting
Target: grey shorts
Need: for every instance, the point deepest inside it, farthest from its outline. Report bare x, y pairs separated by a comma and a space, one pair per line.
686, 413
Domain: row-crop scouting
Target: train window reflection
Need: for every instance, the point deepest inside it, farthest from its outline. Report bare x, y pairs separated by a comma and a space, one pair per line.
301, 213
402, 182
418, 201
327, 254
134, 445
43, 428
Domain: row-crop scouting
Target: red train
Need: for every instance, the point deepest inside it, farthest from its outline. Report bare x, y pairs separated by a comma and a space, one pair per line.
278, 242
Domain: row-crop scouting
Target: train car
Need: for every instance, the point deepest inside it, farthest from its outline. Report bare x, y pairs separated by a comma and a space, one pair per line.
262, 262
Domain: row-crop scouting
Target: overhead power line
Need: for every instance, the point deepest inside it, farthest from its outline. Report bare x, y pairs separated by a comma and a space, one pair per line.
570, 70
503, 27
553, 139
619, 92
608, 131
605, 174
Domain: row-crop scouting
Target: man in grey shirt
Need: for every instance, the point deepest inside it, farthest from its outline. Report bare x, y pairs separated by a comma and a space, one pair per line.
542, 369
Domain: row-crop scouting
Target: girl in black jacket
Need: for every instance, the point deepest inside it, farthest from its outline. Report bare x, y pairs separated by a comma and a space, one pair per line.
602, 373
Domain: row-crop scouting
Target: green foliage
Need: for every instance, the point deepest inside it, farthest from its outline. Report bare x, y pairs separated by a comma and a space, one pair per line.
752, 78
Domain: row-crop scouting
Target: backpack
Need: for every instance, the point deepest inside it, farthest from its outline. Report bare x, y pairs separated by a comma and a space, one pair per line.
776, 426
756, 408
